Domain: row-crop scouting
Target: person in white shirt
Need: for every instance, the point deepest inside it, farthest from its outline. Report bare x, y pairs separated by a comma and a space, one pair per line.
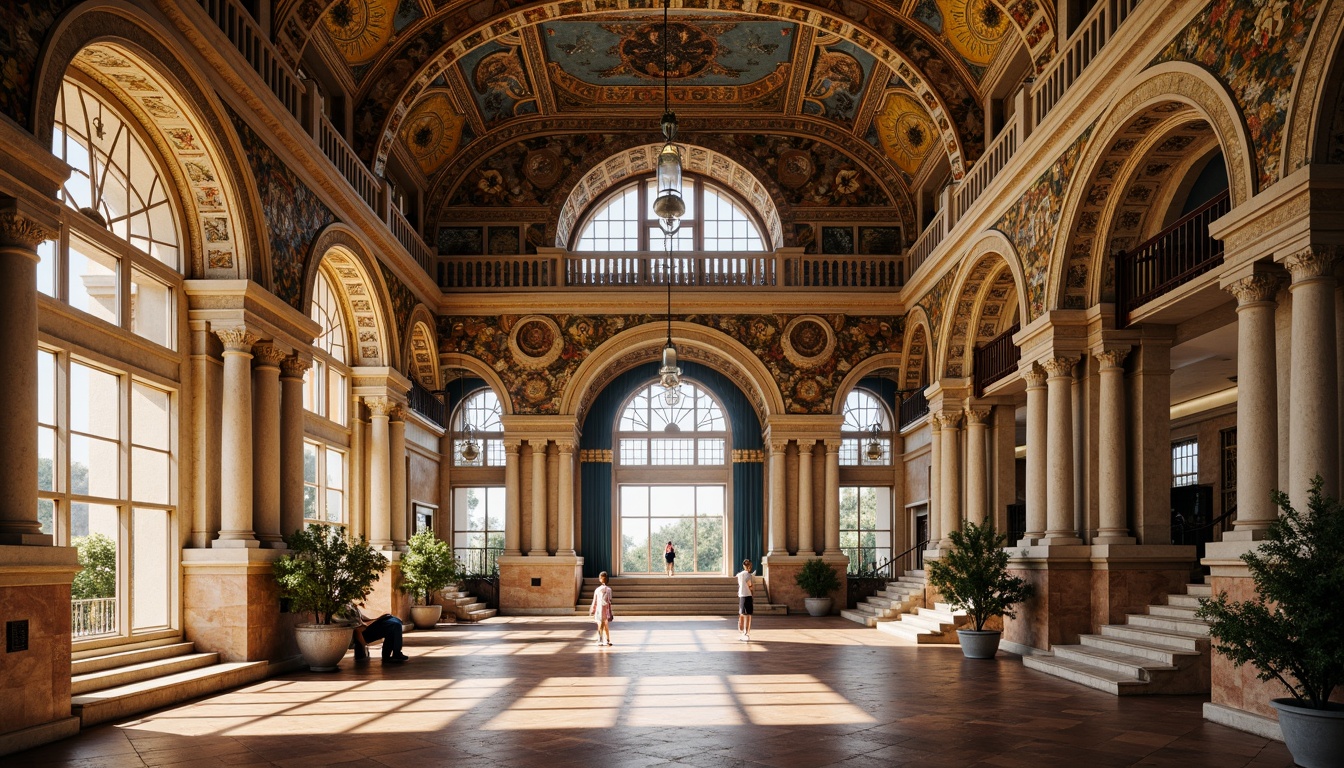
746, 582
601, 610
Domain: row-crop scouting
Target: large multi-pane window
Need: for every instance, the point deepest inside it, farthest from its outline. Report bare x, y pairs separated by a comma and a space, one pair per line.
691, 517
715, 220
1185, 463
119, 255
652, 433
479, 421
323, 484
865, 435
865, 526
478, 528
324, 390
478, 502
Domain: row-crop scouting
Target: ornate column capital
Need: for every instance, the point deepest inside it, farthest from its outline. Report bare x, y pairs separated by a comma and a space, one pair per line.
537, 443
1312, 262
20, 231
268, 354
1256, 288
832, 445
1034, 376
1111, 358
948, 419
294, 367
512, 446
978, 414
237, 339
805, 447
564, 446
380, 405
778, 445
1059, 366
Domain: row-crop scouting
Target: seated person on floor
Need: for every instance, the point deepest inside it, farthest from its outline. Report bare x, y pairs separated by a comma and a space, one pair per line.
367, 631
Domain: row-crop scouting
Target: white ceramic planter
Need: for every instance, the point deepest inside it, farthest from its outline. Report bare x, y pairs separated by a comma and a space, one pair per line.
323, 645
426, 616
817, 606
1315, 737
979, 645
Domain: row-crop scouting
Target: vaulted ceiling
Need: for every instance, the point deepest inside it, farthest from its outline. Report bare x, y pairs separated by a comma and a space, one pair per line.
511, 103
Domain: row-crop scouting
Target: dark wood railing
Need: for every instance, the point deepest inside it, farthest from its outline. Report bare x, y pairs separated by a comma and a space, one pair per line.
425, 403
996, 359
1175, 256
914, 408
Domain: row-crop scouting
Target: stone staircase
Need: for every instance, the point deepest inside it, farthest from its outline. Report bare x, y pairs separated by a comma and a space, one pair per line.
107, 684
928, 626
466, 606
676, 596
1165, 650
905, 595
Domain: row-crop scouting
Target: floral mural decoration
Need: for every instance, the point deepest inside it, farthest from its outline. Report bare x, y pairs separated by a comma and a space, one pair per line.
403, 301
1256, 54
809, 388
835, 179
934, 304
1033, 223
294, 215
23, 26
503, 178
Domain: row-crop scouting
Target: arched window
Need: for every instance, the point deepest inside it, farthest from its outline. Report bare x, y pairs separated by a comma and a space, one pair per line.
121, 260
865, 481
479, 418
325, 393
867, 423
478, 483
715, 220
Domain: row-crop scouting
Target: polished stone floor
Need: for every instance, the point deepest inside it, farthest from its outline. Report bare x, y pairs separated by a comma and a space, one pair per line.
671, 692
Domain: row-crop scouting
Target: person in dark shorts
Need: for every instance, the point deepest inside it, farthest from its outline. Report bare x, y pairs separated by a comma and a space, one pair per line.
670, 556
746, 582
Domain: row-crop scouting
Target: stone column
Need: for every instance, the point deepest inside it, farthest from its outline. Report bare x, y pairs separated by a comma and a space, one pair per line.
396, 433
513, 506
565, 545
538, 547
778, 513
292, 369
805, 545
235, 455
266, 358
1257, 401
951, 476
1059, 425
832, 498
1313, 419
19, 238
1112, 488
935, 481
1036, 454
380, 472
977, 486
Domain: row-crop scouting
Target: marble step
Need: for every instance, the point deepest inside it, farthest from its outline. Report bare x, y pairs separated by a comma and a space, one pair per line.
1199, 590
137, 672
1115, 683
1177, 641
859, 617
908, 630
122, 656
481, 614
760, 609
125, 700
1184, 601
1136, 667
1163, 654
1170, 623
1177, 611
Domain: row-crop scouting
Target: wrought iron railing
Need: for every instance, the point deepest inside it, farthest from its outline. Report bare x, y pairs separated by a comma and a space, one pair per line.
865, 582
427, 404
97, 616
996, 359
913, 408
1173, 257
477, 562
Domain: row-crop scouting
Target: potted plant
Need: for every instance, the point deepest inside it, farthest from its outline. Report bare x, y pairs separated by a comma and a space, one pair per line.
817, 578
1294, 632
973, 576
324, 571
427, 567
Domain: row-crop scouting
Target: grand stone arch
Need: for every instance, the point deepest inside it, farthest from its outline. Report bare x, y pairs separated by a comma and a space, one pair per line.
1315, 127
916, 357
988, 287
352, 271
1074, 268
480, 370
181, 118
421, 349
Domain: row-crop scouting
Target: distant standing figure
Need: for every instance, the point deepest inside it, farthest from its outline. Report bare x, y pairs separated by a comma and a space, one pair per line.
670, 555
746, 583
601, 610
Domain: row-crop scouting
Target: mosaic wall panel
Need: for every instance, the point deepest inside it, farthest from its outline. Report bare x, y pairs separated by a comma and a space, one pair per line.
23, 27
403, 302
934, 304
885, 241
461, 241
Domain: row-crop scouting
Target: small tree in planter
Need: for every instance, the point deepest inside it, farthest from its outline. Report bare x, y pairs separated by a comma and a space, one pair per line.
973, 576
427, 567
817, 578
1295, 632
324, 571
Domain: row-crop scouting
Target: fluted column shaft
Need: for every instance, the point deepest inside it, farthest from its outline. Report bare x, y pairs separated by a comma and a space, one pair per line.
266, 442
1313, 416
977, 486
1257, 401
291, 444
778, 514
19, 238
833, 497
235, 456
1036, 454
951, 476
1112, 490
805, 545
565, 545
396, 433
537, 548
1059, 453
513, 503
380, 472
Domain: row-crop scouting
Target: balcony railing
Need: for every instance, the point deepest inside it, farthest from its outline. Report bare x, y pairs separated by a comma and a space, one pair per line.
425, 403
348, 163
996, 156
246, 35
929, 239
477, 562
1078, 52
914, 408
996, 359
845, 271
411, 240
93, 617
1175, 256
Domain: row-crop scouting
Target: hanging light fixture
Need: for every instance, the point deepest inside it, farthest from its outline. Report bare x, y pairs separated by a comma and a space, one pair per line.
669, 208
874, 451
471, 450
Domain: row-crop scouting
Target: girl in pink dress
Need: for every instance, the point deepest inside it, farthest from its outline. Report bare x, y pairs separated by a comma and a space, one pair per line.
601, 609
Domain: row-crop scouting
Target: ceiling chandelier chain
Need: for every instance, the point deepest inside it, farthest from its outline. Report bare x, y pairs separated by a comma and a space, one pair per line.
669, 207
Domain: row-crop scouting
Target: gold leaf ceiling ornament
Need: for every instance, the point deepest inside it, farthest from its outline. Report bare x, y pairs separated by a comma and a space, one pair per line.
433, 131
360, 28
905, 131
975, 28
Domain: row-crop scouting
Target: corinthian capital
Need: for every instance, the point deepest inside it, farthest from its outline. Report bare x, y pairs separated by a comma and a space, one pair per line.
948, 419
1312, 262
268, 353
380, 405
237, 339
778, 445
1059, 366
1258, 287
977, 414
294, 367
1034, 376
19, 231
1111, 358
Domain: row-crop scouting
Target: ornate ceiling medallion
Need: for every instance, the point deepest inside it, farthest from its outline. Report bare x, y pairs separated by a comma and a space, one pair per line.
535, 341
808, 340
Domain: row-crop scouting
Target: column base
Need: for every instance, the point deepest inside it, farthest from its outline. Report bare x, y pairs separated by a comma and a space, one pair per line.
37, 735
1061, 540
540, 585
1247, 534
1106, 537
15, 539
781, 569
231, 604
224, 542
1031, 539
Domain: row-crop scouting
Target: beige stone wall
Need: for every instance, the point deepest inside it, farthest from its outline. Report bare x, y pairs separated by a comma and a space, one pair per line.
557, 591
422, 480
35, 684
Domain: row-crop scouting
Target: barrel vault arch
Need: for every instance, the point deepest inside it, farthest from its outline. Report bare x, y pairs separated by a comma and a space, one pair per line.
990, 287
352, 271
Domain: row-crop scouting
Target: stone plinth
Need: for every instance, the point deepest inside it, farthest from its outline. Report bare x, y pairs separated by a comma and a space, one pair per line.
780, 571
1127, 578
1062, 607
539, 585
35, 683
1237, 688
231, 605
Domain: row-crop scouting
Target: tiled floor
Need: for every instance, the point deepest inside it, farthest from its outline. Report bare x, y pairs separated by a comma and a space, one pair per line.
671, 692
